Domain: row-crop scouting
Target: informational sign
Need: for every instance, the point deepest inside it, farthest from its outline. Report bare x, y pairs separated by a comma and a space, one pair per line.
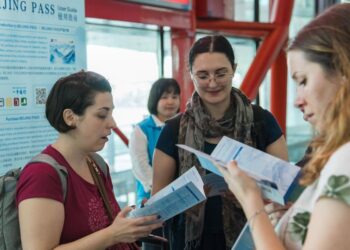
40, 41
175, 4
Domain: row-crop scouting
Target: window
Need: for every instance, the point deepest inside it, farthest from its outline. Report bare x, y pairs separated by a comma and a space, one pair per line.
245, 52
299, 132
128, 56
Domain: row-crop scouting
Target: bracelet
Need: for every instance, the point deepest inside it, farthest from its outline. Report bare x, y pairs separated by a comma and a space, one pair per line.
252, 218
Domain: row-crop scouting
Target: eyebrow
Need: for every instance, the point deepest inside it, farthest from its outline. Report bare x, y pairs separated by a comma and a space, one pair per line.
106, 108
220, 69
206, 71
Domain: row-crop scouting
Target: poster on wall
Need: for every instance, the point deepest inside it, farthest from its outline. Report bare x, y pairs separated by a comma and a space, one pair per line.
40, 41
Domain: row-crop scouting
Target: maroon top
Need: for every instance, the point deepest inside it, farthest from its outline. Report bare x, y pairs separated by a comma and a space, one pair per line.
83, 207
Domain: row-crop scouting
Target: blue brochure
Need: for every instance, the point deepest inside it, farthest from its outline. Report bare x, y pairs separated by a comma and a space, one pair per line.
181, 194
276, 178
244, 240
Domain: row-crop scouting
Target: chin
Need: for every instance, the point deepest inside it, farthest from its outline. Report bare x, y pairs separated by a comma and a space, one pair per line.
170, 115
214, 101
98, 147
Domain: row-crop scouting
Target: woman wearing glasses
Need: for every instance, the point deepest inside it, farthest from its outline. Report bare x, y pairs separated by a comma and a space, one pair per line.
215, 109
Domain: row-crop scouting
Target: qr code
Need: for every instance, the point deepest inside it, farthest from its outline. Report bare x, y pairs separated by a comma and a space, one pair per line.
40, 95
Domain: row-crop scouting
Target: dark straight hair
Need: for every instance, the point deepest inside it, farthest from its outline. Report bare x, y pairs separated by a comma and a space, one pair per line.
215, 43
159, 87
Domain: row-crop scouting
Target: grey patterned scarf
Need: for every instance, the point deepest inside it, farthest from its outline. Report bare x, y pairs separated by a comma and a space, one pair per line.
196, 125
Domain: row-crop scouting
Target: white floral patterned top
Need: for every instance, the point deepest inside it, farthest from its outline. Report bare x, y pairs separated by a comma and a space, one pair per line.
333, 182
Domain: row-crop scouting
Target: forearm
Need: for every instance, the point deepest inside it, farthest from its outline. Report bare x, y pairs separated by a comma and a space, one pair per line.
140, 159
164, 170
101, 239
143, 173
260, 226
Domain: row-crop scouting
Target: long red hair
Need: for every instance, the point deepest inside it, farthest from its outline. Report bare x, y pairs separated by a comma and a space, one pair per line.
326, 41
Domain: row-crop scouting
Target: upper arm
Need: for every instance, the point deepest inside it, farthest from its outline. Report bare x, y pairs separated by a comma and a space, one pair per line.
329, 225
278, 148
164, 157
41, 222
164, 170
138, 149
138, 141
40, 206
275, 143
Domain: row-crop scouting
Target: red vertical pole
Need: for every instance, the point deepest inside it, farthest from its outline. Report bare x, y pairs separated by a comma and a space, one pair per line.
121, 135
181, 42
278, 96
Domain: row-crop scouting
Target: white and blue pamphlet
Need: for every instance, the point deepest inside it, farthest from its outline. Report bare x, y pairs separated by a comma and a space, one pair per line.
276, 178
183, 193
245, 240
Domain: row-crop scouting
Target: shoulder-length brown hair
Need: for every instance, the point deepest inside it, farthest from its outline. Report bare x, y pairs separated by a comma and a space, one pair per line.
326, 41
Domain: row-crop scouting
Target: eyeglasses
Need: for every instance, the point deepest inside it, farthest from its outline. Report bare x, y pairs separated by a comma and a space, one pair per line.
219, 77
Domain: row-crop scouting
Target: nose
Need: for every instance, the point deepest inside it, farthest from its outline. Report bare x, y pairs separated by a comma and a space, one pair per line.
212, 81
300, 100
112, 123
169, 100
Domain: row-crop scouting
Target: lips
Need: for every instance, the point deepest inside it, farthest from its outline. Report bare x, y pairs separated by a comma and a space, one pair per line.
214, 92
170, 108
307, 117
105, 137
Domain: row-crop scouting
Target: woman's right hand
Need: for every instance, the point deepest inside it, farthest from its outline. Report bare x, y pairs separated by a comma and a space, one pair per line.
240, 184
127, 230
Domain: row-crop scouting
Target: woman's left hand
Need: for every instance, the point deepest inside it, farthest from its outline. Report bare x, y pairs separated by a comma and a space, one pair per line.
240, 184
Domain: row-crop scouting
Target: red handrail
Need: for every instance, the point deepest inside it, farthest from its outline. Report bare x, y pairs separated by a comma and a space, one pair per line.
121, 135
270, 48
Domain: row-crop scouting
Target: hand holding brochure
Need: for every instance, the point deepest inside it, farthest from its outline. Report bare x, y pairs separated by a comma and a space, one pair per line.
276, 177
180, 195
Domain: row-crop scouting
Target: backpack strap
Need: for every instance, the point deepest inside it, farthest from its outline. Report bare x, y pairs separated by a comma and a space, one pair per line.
100, 162
61, 170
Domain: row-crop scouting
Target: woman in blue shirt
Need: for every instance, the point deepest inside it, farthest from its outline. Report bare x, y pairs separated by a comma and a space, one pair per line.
163, 103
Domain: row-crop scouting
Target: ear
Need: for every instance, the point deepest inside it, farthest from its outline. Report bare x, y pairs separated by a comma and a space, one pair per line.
69, 117
234, 67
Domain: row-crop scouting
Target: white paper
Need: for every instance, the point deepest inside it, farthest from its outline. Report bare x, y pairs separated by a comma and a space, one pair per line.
180, 195
191, 175
274, 176
245, 240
